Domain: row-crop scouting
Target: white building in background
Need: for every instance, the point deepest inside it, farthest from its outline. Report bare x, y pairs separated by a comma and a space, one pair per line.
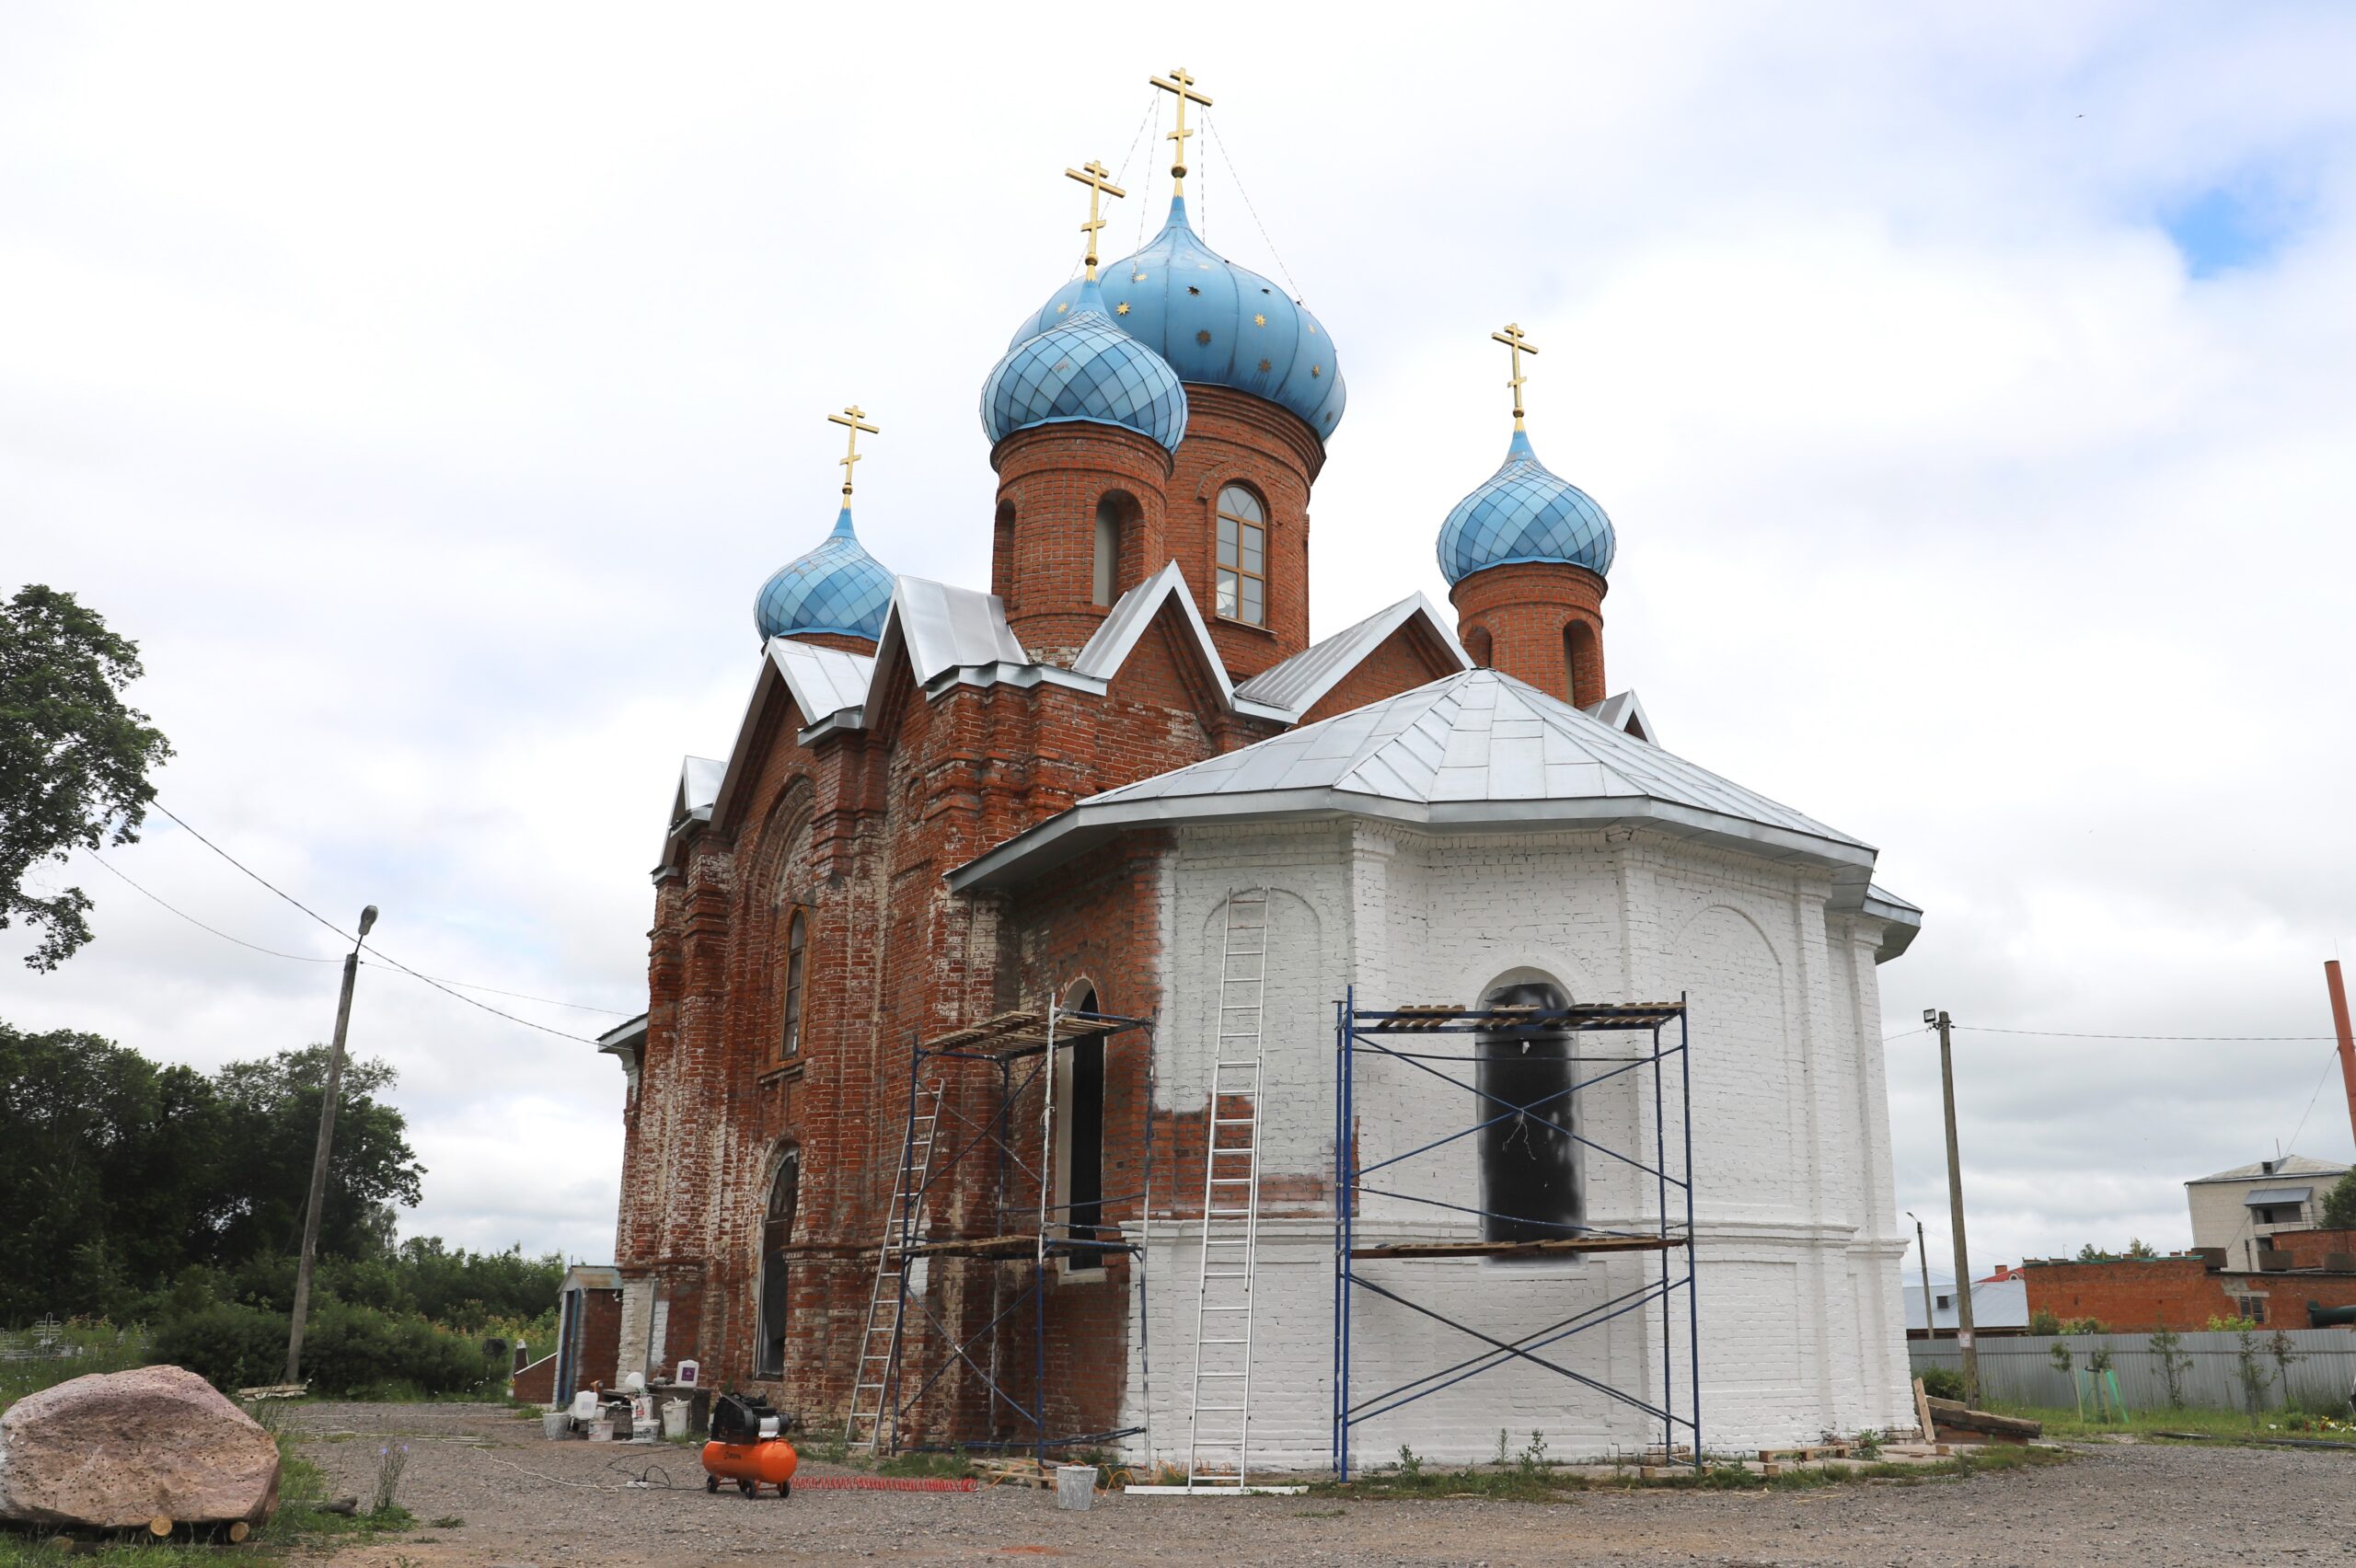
2238, 1209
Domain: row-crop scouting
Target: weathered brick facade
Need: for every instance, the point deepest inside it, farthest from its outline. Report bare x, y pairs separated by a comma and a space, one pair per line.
855, 827
1539, 622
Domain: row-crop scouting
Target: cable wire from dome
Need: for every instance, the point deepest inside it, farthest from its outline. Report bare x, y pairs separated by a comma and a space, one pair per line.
1235, 174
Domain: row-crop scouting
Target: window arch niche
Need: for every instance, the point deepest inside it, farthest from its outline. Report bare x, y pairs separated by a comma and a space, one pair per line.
1531, 1186
1116, 512
777, 1235
1242, 573
793, 982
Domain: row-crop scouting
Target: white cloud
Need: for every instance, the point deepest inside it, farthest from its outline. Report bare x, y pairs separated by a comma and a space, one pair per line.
430, 395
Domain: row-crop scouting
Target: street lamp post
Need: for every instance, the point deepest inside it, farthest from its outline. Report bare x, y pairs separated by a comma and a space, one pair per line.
319, 1157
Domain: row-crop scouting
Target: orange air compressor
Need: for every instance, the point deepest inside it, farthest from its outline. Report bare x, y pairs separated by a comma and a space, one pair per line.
748, 1446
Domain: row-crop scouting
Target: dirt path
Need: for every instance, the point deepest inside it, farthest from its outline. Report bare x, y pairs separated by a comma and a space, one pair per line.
527, 1500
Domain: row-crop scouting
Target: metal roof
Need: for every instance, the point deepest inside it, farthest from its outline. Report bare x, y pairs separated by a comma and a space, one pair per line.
2273, 1195
1297, 684
1624, 711
2290, 1165
699, 787
945, 629
1476, 749
1117, 637
823, 680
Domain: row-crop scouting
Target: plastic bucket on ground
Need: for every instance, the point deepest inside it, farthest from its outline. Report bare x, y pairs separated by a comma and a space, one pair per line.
675, 1418
1075, 1486
556, 1423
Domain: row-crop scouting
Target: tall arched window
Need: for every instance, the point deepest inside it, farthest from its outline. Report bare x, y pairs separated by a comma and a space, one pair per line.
1530, 1166
1108, 550
1243, 586
797, 969
777, 1235
1084, 1163
1579, 664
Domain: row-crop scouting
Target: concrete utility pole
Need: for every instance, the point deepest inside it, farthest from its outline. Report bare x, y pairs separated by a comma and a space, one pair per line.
1954, 1210
319, 1158
2346, 1036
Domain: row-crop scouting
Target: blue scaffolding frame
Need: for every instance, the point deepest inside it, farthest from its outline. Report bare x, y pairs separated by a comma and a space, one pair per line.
1375, 1034
1024, 1223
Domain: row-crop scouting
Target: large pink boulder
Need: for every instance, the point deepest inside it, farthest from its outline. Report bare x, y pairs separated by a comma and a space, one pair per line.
119, 1449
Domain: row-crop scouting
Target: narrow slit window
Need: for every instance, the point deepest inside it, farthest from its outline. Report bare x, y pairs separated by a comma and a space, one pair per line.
1108, 550
797, 965
1242, 577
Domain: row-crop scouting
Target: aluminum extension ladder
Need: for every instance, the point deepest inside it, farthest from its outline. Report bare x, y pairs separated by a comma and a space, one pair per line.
1221, 1423
879, 1343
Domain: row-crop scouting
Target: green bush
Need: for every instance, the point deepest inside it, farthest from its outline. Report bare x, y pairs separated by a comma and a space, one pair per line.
347, 1350
1943, 1383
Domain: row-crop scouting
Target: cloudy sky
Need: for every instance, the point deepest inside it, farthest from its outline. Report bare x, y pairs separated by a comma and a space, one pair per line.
428, 392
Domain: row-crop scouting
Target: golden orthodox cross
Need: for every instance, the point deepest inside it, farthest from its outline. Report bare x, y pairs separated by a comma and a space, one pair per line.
1099, 182
852, 419
1181, 84
1518, 345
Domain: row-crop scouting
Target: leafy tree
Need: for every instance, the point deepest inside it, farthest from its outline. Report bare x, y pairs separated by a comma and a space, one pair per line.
74, 760
2140, 1249
265, 1169
2339, 1205
116, 1175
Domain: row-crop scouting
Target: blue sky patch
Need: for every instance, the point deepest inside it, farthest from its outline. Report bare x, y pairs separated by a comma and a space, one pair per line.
2226, 228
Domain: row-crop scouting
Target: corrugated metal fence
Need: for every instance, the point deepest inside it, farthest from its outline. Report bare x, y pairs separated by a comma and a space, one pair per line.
2020, 1370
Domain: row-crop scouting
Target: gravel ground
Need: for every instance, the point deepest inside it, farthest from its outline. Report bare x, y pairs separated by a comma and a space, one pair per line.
527, 1501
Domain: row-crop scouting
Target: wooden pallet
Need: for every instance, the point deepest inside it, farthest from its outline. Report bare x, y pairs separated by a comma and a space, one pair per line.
1808, 1455
1014, 1473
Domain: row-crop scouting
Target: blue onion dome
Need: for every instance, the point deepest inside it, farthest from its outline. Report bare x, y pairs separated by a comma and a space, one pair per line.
1084, 368
1524, 513
1217, 324
838, 587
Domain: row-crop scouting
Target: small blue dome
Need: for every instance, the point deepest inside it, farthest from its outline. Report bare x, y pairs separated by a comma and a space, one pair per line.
1084, 368
1217, 324
1524, 513
838, 587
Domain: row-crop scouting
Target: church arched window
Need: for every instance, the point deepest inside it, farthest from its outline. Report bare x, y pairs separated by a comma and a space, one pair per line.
1579, 664
1530, 1188
1242, 577
797, 972
1083, 1141
777, 1235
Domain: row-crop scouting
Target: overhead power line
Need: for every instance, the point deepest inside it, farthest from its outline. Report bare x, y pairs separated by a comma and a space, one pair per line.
111, 868
382, 957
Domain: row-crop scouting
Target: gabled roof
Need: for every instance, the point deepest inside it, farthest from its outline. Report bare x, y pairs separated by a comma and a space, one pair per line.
1625, 713
2288, 1166
1473, 750
699, 784
1296, 684
824, 681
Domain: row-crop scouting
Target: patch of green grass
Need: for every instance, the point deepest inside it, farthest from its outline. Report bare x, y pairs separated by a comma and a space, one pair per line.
948, 1467
1532, 1483
58, 1352
2226, 1425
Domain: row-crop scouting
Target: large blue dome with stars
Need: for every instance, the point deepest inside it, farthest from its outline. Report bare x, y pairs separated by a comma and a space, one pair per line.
1216, 323
1524, 513
838, 587
1084, 368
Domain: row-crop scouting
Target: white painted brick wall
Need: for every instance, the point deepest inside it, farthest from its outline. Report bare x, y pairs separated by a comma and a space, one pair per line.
1800, 1256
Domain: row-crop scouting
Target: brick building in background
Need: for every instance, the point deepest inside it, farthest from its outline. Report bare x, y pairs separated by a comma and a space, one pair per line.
944, 805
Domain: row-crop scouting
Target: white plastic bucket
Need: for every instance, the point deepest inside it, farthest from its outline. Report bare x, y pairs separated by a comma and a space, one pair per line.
675, 1418
1075, 1486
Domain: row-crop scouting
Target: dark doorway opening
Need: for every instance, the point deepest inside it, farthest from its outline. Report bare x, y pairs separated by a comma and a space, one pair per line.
1530, 1166
776, 1232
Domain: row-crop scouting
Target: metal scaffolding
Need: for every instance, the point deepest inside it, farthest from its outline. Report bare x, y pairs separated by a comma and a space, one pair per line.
1015, 1222
1378, 1038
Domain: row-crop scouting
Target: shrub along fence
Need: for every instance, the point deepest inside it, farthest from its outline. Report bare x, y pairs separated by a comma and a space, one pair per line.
2222, 1370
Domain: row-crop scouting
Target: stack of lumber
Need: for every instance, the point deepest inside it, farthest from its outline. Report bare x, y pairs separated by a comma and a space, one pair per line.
1956, 1422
